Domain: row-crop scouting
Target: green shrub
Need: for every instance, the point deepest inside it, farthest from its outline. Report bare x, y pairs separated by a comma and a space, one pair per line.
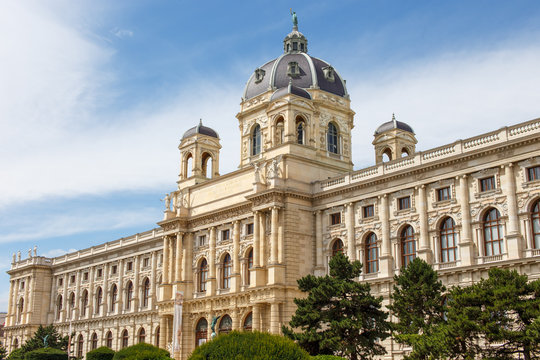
46, 354
101, 353
142, 351
16, 355
326, 357
249, 346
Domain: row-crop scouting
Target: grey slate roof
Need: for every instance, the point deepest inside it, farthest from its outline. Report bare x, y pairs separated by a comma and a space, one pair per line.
393, 124
200, 129
290, 89
311, 75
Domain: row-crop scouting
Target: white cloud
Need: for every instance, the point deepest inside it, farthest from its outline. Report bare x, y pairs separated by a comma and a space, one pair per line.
76, 222
122, 33
57, 252
450, 97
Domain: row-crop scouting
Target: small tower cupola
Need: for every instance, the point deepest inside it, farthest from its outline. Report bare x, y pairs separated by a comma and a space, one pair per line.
393, 140
199, 154
295, 41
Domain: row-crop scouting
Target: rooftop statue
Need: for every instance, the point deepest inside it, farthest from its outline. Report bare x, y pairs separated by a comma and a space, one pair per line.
294, 18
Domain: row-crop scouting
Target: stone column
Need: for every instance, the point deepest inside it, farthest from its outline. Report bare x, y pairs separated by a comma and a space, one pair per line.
163, 332
319, 266
153, 281
165, 275
513, 237
466, 245
276, 270
281, 237
212, 281
274, 318
187, 268
120, 302
178, 259
256, 274
78, 295
256, 314
236, 257
235, 315
386, 260
136, 287
64, 313
106, 306
424, 252
10, 312
349, 223
91, 294
262, 239
171, 260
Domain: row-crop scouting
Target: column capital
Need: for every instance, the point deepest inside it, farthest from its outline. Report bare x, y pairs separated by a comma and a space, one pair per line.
180, 233
384, 196
509, 165
236, 222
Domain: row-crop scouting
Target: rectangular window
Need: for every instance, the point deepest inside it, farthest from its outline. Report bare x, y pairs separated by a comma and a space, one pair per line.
100, 273
146, 262
60, 282
201, 240
249, 229
72, 279
443, 194
487, 183
404, 203
368, 211
225, 234
22, 285
130, 266
534, 173
114, 269
335, 218
85, 276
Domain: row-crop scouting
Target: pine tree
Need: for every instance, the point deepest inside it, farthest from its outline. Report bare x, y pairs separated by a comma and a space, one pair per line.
339, 315
501, 313
3, 352
419, 306
54, 339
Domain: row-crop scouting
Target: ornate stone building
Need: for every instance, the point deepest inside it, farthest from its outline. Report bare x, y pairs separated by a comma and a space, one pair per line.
235, 244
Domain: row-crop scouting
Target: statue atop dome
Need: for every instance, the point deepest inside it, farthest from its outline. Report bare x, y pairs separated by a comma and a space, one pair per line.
294, 19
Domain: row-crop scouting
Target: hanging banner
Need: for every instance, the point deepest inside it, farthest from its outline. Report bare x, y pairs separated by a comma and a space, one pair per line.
177, 320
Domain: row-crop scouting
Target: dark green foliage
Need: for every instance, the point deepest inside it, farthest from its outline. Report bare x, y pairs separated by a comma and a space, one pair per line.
503, 311
46, 354
3, 352
339, 315
249, 346
101, 353
54, 340
418, 305
326, 357
142, 351
16, 354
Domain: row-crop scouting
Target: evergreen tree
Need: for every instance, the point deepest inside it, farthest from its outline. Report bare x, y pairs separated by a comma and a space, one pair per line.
54, 339
419, 306
3, 352
502, 313
339, 315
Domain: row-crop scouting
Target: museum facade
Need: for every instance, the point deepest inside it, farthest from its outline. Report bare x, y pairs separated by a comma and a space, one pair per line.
234, 245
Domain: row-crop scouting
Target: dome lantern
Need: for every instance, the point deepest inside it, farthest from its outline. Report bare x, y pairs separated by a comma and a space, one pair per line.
295, 41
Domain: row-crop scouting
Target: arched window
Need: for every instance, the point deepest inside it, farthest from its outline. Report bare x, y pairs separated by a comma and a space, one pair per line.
188, 170
58, 306
20, 310
201, 332
280, 132
404, 152
256, 140
226, 275
80, 344
448, 240
535, 221
408, 246
332, 139
249, 265
114, 297
71, 305
337, 247
94, 341
125, 339
248, 322
84, 302
142, 335
300, 131
207, 165
16, 343
372, 254
99, 300
157, 337
225, 325
387, 155
108, 338
203, 274
129, 295
493, 233
146, 293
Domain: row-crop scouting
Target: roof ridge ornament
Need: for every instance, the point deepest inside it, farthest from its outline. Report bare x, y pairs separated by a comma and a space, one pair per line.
394, 120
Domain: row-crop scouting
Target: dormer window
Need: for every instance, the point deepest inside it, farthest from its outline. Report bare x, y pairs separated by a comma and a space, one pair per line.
293, 69
259, 75
295, 46
302, 47
329, 73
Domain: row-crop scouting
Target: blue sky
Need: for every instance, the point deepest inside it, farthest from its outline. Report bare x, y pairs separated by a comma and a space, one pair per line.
95, 95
